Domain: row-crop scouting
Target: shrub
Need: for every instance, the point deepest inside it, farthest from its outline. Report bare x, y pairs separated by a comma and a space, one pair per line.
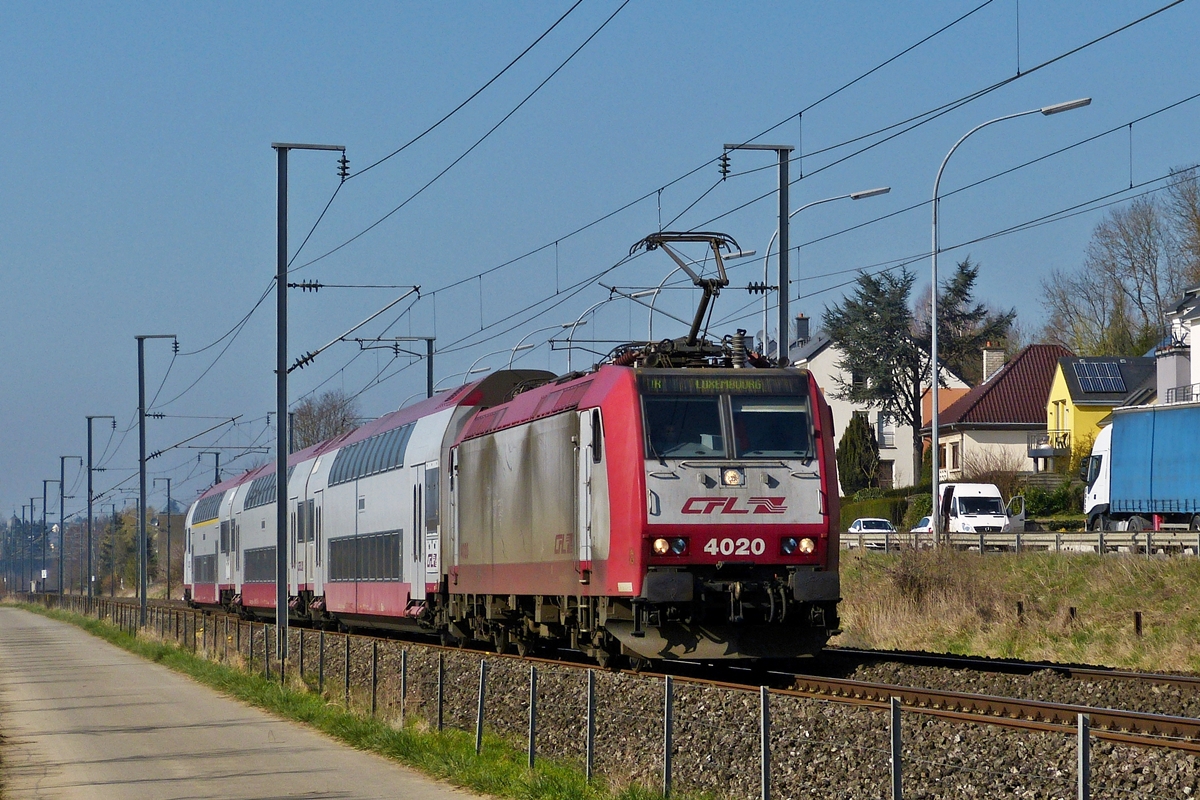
891, 508
919, 505
870, 493
1066, 499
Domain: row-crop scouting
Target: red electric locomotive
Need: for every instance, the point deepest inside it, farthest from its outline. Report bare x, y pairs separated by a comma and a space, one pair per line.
677, 502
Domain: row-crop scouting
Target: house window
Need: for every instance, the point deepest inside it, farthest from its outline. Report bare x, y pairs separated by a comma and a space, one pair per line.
858, 380
941, 456
954, 455
885, 431
886, 475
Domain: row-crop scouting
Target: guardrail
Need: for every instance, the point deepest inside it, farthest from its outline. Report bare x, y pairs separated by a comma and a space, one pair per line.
1143, 542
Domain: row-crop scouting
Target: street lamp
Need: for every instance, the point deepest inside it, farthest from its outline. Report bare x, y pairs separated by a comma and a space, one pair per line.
62, 523
281, 372
460, 374
471, 369
783, 332
935, 456
521, 341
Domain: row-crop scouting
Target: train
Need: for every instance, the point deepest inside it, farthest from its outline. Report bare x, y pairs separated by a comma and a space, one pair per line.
676, 501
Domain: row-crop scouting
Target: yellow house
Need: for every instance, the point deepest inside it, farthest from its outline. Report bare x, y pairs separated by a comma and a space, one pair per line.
1083, 392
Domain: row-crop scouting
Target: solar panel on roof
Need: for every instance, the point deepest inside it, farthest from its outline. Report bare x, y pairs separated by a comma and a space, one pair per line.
1099, 376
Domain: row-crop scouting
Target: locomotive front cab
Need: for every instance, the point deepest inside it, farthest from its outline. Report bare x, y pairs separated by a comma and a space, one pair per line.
739, 544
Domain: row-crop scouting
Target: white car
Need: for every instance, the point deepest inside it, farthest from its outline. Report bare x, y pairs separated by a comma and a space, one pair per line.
924, 526
872, 525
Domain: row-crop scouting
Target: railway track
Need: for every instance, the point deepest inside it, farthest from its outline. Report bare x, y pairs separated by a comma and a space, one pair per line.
1121, 725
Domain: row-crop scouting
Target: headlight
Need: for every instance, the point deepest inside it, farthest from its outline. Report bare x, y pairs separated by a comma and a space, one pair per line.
661, 547
968, 528
679, 546
789, 546
807, 546
732, 477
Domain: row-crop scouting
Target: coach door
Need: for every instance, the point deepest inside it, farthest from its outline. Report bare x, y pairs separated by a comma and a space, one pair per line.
235, 551
431, 524
592, 508
413, 546
317, 536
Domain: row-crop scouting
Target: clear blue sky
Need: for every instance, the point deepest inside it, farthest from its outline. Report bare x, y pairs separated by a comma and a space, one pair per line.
137, 187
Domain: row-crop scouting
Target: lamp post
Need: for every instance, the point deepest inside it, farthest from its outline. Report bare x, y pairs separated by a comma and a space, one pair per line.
89, 494
783, 288
935, 455
62, 523
281, 372
168, 480
521, 341
142, 547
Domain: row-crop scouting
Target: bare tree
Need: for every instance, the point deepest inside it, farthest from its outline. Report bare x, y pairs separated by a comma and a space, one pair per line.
322, 417
1114, 304
1183, 208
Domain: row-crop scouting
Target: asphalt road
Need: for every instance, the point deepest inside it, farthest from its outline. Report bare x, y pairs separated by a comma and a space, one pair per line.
84, 719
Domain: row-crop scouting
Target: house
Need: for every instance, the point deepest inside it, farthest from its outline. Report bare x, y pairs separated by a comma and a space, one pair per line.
1178, 373
1083, 393
997, 423
820, 357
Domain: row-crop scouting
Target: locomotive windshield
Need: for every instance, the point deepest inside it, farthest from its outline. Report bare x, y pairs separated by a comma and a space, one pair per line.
771, 427
690, 426
684, 427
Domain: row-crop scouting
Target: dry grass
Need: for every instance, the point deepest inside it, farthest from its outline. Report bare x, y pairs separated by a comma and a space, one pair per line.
947, 601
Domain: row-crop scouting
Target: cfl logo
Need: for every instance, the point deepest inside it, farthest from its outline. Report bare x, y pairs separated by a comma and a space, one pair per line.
729, 505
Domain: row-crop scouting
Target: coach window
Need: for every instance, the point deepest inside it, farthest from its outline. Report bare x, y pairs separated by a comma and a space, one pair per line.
432, 505
683, 426
774, 427
597, 438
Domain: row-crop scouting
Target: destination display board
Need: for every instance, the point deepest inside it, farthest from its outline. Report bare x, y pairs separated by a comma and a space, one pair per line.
743, 382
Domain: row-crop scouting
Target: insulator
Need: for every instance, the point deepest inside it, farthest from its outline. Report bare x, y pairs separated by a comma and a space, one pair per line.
724, 163
343, 167
175, 347
739, 349
757, 287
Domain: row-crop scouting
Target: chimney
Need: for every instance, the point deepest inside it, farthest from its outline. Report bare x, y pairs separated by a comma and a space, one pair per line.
801, 329
993, 360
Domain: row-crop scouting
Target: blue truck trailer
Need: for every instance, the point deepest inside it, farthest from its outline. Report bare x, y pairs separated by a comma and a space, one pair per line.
1144, 470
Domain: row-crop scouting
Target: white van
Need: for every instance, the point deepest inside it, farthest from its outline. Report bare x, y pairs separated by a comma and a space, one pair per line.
979, 508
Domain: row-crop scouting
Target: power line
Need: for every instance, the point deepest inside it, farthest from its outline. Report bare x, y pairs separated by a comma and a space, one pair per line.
473, 95
470, 149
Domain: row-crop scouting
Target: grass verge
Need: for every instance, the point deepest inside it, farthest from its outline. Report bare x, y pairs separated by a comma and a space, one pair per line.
500, 770
1073, 608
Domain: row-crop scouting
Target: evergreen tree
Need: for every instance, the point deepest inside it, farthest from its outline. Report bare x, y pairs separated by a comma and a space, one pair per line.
873, 328
964, 326
858, 456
